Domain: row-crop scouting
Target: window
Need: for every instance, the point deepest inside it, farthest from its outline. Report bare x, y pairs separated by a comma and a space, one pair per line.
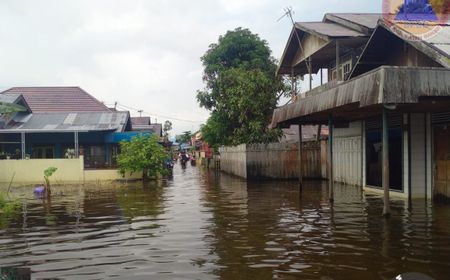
43, 152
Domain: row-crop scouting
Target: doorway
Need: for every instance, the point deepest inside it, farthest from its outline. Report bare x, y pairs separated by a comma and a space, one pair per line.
374, 158
442, 163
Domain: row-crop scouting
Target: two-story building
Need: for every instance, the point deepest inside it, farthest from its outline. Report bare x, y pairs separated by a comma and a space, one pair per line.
385, 99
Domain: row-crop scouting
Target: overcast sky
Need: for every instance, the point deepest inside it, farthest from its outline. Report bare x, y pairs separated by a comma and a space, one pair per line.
142, 54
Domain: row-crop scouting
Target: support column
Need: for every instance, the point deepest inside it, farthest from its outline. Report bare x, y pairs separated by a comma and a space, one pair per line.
76, 146
22, 142
385, 166
338, 62
330, 159
321, 76
293, 83
310, 73
300, 152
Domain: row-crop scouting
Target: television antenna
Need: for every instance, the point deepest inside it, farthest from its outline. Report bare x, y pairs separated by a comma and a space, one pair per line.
289, 12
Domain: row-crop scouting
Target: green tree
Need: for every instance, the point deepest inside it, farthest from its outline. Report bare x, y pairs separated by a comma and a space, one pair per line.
142, 154
241, 90
184, 138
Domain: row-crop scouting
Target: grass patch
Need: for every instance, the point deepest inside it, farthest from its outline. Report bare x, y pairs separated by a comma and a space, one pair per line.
8, 210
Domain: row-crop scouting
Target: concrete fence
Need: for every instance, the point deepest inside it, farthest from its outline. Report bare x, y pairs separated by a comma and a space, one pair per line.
69, 171
274, 161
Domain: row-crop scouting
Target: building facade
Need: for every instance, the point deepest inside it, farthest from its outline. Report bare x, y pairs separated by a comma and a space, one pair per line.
386, 101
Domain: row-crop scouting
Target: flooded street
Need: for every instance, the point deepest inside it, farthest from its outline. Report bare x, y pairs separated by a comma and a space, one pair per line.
201, 226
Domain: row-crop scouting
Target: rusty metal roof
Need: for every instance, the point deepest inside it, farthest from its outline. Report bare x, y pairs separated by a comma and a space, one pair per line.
384, 85
353, 29
353, 20
58, 99
140, 121
155, 128
328, 30
441, 40
67, 122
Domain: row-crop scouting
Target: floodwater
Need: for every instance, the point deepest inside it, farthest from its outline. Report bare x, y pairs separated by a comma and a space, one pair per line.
199, 225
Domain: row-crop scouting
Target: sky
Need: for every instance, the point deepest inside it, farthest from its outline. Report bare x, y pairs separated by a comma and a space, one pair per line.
142, 54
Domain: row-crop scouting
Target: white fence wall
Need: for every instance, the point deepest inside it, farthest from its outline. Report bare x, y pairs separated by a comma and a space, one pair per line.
418, 160
233, 160
273, 161
347, 154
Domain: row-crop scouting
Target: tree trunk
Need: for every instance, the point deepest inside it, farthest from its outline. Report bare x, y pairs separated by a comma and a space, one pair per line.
145, 175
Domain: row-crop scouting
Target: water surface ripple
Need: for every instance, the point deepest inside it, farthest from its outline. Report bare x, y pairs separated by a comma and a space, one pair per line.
198, 225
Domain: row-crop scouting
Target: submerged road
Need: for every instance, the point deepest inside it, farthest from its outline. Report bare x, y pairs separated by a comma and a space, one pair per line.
198, 225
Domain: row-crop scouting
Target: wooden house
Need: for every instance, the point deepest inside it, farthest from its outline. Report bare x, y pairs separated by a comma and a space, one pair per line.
386, 100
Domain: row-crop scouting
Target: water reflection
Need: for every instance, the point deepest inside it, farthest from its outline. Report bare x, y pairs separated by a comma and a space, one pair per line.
201, 225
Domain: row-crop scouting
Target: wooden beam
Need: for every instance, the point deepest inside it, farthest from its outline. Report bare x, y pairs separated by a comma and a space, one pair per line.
385, 164
330, 159
300, 153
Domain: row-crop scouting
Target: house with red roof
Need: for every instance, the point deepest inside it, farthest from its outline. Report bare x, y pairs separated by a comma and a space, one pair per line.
62, 122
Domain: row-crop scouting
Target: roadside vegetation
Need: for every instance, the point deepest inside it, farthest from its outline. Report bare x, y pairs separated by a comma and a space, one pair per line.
8, 210
142, 154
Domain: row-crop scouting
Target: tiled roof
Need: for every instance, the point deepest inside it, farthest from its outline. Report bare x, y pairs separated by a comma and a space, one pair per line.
140, 120
58, 99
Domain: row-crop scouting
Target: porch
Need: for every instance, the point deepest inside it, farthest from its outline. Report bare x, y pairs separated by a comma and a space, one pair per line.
98, 148
387, 127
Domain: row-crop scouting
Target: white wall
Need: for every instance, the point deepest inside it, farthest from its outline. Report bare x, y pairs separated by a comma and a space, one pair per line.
233, 160
418, 159
347, 154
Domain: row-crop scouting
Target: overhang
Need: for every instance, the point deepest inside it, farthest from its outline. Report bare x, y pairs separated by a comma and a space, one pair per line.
363, 96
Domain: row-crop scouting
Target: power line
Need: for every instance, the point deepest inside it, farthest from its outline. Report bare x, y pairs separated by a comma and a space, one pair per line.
155, 115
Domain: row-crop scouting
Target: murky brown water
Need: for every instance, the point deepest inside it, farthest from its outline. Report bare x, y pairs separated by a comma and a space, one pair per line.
198, 226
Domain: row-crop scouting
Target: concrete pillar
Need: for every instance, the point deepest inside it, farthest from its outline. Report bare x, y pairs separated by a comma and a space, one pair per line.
22, 142
385, 164
77, 145
330, 159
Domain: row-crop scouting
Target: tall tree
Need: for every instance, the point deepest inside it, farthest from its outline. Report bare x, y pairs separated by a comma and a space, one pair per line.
241, 89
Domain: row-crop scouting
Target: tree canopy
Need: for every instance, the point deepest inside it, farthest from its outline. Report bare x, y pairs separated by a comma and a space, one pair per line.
184, 138
142, 154
241, 90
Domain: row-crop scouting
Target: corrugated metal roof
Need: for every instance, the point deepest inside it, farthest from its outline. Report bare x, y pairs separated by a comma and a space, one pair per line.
441, 41
155, 128
367, 20
60, 122
328, 29
58, 99
140, 120
380, 86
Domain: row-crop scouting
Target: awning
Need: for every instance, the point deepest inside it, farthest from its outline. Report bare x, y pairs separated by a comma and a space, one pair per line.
353, 99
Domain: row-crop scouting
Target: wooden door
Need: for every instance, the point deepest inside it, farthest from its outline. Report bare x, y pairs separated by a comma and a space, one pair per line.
442, 162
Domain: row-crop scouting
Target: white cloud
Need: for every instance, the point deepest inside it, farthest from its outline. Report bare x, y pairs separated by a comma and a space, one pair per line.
144, 54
